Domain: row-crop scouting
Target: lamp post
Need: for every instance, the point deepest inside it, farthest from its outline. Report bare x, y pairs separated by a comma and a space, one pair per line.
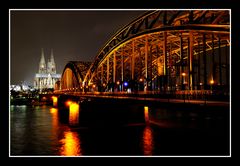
183, 80
211, 83
183, 85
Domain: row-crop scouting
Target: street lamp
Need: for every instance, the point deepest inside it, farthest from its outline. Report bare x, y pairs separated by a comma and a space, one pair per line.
211, 83
183, 80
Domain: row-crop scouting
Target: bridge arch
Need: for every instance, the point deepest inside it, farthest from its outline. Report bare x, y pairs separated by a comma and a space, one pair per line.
165, 50
73, 75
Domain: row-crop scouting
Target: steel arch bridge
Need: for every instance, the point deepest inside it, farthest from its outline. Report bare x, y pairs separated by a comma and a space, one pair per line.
73, 74
161, 50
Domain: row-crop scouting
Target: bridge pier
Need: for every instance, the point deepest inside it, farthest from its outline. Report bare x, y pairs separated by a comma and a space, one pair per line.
89, 112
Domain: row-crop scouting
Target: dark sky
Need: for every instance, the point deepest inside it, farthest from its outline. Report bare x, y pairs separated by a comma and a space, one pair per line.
73, 36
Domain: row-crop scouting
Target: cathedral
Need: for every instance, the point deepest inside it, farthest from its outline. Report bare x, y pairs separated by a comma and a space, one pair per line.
47, 75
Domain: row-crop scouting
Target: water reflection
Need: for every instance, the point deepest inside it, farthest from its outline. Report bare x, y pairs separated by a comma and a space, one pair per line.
70, 144
55, 100
55, 123
73, 114
148, 143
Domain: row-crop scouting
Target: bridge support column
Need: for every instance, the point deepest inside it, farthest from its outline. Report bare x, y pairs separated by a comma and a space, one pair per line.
133, 60
165, 60
190, 59
122, 67
102, 75
199, 67
213, 60
114, 67
146, 63
220, 61
204, 62
182, 75
107, 70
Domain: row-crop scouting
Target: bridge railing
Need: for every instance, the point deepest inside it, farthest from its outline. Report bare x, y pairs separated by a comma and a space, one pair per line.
204, 95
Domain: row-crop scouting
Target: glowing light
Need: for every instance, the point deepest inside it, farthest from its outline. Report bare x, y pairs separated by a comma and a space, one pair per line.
53, 110
147, 141
68, 103
200, 83
94, 86
146, 116
125, 84
73, 114
141, 80
211, 81
70, 144
118, 82
104, 84
183, 74
55, 100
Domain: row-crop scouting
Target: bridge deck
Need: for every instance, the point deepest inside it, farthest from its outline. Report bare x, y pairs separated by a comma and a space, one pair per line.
148, 98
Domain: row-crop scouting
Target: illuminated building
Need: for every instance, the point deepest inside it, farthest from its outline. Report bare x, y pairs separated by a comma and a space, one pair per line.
47, 75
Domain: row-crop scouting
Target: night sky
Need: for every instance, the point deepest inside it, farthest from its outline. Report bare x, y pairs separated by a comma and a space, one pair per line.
73, 36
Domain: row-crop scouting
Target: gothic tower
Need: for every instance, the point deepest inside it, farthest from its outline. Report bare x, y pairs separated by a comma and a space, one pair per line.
51, 67
42, 64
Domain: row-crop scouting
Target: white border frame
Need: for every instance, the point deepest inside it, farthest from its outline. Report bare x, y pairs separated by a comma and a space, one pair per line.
9, 32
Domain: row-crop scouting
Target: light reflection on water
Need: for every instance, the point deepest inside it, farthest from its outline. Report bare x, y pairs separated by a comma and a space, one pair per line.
148, 141
39, 131
73, 114
70, 144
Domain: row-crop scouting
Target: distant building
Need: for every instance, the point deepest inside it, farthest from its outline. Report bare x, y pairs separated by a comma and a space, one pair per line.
47, 75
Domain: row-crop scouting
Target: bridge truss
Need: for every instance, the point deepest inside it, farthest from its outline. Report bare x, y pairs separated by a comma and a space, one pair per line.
165, 50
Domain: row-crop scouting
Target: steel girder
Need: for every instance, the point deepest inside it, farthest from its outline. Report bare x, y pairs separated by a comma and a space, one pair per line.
162, 43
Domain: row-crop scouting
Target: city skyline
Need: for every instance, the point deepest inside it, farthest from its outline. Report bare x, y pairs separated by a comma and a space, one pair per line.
73, 36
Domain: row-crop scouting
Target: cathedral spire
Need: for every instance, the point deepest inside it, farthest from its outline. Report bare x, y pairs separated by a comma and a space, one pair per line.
52, 58
51, 64
42, 64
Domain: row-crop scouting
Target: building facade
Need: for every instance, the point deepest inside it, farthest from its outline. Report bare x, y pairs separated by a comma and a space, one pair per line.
47, 75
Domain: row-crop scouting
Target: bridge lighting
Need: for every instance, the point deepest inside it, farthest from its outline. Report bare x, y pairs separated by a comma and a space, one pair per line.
125, 84
53, 110
68, 103
146, 116
211, 82
55, 99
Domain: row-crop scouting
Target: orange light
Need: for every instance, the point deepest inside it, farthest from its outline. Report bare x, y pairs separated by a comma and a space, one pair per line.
55, 99
147, 141
141, 80
146, 116
94, 86
212, 82
70, 144
73, 113
118, 82
183, 74
68, 103
53, 110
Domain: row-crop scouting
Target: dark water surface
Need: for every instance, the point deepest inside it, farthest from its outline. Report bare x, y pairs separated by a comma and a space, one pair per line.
38, 131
